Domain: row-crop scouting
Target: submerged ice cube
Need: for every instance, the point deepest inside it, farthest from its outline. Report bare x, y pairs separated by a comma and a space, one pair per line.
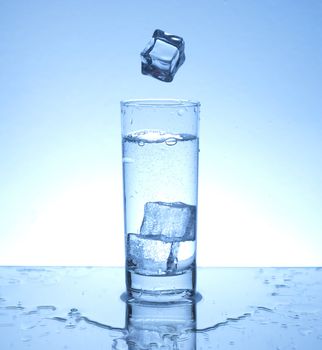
146, 254
150, 255
163, 56
172, 222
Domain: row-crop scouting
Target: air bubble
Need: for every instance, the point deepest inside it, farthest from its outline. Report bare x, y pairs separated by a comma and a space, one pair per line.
141, 143
180, 112
171, 141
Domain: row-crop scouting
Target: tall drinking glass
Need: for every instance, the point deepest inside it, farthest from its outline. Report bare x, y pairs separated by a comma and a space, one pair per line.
160, 145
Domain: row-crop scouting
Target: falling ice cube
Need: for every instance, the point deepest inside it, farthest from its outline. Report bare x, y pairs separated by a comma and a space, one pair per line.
163, 56
173, 222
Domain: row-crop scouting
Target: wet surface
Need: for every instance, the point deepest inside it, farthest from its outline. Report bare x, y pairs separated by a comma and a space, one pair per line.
81, 308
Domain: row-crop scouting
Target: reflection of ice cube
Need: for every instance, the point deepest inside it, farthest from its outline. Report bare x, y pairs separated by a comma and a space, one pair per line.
163, 56
161, 326
172, 221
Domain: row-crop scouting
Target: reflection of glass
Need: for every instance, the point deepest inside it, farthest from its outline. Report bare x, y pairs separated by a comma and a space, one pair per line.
159, 326
160, 178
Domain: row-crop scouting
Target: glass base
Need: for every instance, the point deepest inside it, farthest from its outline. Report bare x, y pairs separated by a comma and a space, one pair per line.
163, 288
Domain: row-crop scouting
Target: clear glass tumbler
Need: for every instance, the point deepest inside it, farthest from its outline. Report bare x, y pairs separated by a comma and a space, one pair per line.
160, 145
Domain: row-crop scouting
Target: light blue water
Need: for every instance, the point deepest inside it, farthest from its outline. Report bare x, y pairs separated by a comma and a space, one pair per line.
160, 174
158, 167
81, 308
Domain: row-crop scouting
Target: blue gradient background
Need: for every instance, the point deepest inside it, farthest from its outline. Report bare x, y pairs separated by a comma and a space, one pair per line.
255, 66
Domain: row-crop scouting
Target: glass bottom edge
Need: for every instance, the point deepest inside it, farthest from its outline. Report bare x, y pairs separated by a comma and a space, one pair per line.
165, 288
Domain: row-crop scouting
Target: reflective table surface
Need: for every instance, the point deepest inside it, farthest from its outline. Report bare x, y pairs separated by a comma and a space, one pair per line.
85, 308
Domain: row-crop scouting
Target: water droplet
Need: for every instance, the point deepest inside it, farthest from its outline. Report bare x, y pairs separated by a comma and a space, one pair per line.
46, 307
73, 310
14, 307
263, 308
180, 112
171, 141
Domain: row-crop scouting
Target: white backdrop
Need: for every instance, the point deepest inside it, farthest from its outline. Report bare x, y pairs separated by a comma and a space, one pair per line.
254, 66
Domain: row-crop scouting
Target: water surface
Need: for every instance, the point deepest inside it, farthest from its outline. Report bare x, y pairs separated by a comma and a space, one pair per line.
81, 308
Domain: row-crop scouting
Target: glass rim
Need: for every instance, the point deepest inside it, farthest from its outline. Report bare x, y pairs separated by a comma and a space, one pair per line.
155, 102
